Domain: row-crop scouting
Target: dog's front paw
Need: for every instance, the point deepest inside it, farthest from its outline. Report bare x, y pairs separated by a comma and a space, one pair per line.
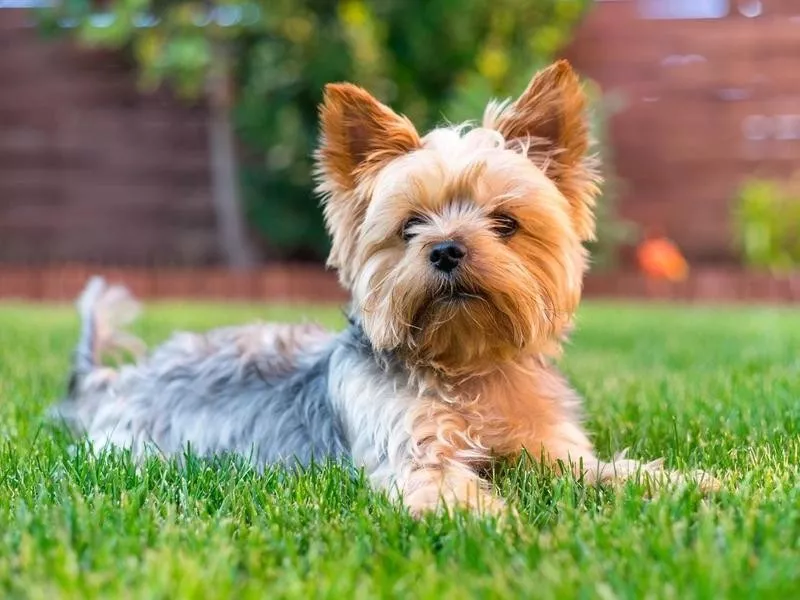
654, 475
433, 499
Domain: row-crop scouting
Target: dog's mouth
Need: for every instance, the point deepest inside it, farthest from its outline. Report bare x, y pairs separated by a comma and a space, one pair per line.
456, 294
459, 294
451, 297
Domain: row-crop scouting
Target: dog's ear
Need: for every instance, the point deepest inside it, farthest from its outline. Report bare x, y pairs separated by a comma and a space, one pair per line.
549, 121
359, 135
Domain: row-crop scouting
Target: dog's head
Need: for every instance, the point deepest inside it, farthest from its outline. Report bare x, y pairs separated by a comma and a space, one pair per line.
461, 248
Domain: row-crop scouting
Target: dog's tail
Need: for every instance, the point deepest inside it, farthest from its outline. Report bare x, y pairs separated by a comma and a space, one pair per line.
104, 311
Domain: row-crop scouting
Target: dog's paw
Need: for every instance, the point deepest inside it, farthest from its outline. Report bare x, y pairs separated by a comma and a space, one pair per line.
427, 501
704, 481
654, 475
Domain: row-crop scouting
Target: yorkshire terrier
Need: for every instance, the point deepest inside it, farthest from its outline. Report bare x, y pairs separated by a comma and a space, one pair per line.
463, 253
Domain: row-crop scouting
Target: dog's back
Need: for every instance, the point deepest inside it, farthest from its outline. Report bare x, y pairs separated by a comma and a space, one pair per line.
260, 391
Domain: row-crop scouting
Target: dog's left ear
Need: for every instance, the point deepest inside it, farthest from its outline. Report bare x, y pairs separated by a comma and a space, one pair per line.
549, 119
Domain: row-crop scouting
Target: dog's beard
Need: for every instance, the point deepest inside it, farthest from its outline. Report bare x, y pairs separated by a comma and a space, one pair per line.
462, 328
454, 326
445, 303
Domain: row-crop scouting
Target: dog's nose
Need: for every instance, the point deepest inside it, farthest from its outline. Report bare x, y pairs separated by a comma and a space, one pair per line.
445, 256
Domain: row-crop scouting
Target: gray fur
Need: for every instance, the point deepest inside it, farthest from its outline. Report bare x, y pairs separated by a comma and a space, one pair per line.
233, 390
283, 394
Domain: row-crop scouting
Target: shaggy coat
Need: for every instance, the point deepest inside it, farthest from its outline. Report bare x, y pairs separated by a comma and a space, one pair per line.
463, 252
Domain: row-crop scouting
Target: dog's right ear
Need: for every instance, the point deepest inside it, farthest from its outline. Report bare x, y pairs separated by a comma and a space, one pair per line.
359, 135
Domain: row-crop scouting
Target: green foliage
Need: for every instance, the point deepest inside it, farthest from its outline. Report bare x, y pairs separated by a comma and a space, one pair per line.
612, 232
170, 40
433, 61
430, 60
767, 218
77, 526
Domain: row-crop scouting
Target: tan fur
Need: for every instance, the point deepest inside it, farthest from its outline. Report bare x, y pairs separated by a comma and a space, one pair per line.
478, 364
359, 134
115, 309
286, 343
549, 121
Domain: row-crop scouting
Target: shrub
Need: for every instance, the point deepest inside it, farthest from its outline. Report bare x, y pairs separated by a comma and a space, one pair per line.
767, 220
429, 60
612, 231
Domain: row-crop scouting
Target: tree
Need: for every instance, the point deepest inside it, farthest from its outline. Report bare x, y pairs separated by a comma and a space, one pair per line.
187, 44
429, 59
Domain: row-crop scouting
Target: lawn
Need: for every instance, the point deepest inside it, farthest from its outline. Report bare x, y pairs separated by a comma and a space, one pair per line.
711, 388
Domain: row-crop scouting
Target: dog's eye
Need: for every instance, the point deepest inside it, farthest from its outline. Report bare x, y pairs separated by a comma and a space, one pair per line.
504, 225
409, 225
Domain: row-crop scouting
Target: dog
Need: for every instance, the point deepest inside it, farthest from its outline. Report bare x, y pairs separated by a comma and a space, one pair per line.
463, 251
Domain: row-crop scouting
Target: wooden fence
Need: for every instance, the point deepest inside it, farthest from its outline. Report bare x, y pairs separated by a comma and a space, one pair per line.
290, 283
705, 104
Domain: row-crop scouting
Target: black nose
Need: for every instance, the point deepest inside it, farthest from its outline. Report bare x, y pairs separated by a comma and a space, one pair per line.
445, 256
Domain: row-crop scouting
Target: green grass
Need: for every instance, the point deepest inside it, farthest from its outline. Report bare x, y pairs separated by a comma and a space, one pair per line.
711, 388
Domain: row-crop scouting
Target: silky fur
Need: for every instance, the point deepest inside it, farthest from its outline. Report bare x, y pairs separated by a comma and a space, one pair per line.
437, 375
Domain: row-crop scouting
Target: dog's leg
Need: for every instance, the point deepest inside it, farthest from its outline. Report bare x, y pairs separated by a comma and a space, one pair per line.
565, 446
417, 447
540, 414
447, 484
441, 471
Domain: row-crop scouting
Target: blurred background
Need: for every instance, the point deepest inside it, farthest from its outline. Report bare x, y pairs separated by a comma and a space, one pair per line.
170, 141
